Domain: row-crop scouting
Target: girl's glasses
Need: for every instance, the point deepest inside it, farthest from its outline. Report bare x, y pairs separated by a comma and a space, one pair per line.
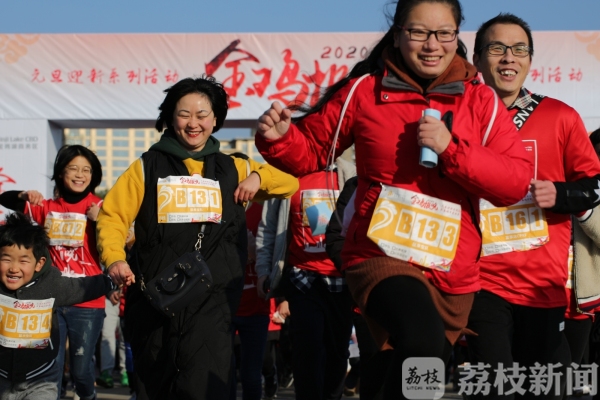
73, 170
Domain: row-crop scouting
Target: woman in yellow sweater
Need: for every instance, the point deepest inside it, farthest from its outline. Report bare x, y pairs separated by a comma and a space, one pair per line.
181, 187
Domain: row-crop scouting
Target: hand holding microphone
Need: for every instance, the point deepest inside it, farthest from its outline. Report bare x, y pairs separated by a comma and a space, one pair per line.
433, 136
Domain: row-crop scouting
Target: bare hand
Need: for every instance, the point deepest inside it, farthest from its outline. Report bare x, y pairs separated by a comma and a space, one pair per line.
433, 133
121, 274
284, 309
92, 212
275, 122
114, 297
32, 196
543, 193
247, 188
259, 287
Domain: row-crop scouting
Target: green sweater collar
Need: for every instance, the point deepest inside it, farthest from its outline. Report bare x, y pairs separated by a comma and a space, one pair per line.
169, 144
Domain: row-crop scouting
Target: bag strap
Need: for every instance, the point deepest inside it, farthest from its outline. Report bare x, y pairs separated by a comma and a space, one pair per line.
331, 155
198, 244
522, 116
519, 119
210, 166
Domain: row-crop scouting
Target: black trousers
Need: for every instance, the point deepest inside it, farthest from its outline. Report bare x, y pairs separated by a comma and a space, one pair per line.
403, 306
577, 332
510, 333
370, 380
321, 324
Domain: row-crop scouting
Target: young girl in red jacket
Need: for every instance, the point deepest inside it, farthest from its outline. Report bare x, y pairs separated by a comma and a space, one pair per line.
70, 221
411, 249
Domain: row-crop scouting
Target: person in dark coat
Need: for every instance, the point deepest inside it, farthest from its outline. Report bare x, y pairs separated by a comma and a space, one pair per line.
180, 185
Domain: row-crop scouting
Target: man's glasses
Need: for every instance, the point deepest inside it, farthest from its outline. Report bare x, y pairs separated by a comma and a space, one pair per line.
496, 49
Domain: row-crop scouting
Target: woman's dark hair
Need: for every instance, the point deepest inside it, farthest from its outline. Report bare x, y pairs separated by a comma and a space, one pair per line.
505, 19
205, 85
19, 231
370, 65
595, 137
65, 155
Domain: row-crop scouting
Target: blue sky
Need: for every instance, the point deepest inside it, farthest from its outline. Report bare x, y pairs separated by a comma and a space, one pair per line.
153, 16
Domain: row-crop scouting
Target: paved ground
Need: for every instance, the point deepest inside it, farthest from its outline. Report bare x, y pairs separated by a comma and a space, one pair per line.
120, 393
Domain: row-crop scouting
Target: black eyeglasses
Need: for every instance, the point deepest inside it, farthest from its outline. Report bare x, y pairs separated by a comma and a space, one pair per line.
422, 35
497, 49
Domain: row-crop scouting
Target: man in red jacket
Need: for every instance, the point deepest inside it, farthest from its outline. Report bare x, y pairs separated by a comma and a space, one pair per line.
519, 313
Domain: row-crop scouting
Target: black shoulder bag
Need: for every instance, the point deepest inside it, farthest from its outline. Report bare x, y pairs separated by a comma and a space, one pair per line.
186, 278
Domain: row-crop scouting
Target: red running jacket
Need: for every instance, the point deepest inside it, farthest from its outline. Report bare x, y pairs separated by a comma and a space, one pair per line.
381, 121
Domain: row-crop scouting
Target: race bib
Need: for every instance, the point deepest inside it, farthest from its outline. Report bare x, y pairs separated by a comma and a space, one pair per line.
316, 196
519, 227
416, 228
25, 323
65, 229
189, 199
569, 284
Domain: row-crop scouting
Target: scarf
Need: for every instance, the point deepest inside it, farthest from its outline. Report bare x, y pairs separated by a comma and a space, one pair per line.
169, 144
459, 69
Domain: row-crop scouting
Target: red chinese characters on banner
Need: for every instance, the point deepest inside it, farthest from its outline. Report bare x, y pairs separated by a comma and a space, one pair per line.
133, 76
172, 77
259, 88
114, 76
319, 78
554, 75
56, 76
575, 75
234, 82
95, 76
37, 76
291, 86
150, 76
75, 76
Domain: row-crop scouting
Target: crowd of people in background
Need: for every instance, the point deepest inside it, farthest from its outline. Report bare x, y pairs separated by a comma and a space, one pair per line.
464, 229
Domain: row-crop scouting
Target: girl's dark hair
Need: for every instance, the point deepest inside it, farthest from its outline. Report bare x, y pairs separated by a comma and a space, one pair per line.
205, 85
65, 155
595, 137
19, 231
370, 65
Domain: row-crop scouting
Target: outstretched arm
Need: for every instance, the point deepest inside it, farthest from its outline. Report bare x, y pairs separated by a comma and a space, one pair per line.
303, 147
119, 210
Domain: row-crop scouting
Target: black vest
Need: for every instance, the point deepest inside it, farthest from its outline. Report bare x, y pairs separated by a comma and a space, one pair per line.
224, 245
